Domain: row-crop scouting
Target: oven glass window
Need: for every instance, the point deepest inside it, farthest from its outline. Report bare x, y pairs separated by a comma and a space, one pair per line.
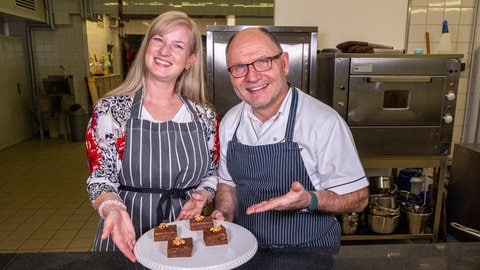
396, 99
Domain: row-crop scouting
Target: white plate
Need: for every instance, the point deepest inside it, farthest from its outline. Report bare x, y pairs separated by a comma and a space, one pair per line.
241, 247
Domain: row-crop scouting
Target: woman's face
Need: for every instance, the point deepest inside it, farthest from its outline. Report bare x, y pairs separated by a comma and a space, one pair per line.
168, 54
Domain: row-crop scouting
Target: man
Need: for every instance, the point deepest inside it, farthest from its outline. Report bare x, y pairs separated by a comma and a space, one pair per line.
288, 162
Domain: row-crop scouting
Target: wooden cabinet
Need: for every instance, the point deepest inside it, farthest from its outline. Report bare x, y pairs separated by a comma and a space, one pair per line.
395, 162
15, 93
99, 85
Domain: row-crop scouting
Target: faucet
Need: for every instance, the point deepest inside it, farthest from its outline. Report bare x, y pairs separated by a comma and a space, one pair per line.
64, 70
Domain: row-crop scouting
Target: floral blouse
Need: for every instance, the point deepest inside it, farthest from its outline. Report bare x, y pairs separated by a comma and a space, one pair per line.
105, 143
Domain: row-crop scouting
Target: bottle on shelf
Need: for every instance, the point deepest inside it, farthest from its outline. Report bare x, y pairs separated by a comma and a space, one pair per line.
445, 44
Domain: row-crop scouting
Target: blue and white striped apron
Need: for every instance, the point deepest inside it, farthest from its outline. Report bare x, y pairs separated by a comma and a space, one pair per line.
267, 171
163, 164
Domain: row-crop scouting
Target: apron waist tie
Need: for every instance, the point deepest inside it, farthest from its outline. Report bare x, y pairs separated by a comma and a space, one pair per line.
167, 196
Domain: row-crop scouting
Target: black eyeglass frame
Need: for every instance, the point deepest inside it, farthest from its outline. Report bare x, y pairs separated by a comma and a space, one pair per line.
271, 58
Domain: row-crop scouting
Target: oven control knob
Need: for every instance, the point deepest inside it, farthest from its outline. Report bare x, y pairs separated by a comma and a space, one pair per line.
450, 96
448, 118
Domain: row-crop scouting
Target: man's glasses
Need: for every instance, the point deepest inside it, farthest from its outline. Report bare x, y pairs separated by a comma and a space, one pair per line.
260, 65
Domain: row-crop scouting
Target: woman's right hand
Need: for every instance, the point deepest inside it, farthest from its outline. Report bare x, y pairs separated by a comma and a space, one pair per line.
119, 227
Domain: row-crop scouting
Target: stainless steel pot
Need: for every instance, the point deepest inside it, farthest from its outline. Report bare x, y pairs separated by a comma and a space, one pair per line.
381, 184
350, 222
383, 224
382, 200
384, 211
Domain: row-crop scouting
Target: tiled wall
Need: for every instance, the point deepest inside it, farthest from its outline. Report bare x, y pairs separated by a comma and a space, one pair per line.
428, 16
63, 45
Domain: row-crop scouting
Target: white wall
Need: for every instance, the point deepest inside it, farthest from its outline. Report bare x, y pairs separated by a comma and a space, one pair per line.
375, 21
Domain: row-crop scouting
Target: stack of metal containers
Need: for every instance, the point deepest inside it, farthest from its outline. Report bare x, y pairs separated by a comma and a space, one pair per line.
383, 211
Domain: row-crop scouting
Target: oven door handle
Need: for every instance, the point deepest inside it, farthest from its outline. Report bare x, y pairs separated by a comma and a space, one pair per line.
400, 79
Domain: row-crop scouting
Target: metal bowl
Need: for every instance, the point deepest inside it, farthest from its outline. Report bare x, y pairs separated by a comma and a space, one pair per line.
384, 211
382, 200
407, 199
383, 224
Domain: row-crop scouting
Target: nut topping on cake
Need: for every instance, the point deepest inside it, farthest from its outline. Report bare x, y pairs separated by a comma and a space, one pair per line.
178, 241
215, 228
199, 217
163, 225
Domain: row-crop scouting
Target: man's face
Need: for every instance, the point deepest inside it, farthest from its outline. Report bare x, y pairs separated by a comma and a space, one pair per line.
264, 90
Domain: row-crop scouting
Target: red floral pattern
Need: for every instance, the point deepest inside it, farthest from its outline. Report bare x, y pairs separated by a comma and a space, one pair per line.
120, 143
94, 155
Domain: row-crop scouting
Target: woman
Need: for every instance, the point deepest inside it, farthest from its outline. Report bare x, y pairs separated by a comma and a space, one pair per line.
152, 143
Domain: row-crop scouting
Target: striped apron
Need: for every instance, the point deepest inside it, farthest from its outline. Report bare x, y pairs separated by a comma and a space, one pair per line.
267, 171
163, 164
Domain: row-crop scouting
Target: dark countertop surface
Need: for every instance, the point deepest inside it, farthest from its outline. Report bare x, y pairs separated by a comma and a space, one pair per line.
463, 255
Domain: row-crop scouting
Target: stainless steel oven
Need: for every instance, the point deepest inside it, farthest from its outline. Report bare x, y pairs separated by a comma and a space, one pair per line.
394, 104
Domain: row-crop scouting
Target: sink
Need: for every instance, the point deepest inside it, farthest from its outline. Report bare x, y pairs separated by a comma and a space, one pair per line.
58, 85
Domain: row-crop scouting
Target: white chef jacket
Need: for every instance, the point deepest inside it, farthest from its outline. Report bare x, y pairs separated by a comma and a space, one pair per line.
327, 147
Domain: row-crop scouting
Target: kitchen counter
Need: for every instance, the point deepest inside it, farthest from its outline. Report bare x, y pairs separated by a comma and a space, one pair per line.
465, 255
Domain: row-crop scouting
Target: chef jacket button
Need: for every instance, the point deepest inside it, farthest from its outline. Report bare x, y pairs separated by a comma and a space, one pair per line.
274, 139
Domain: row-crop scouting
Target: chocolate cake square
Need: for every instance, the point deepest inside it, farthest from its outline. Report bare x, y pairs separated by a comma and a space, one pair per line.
215, 235
180, 247
200, 223
164, 232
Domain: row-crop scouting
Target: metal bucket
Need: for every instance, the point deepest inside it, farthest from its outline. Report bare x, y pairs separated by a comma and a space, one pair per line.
417, 222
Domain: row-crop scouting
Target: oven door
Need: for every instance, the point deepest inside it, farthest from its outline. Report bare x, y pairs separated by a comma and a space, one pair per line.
395, 100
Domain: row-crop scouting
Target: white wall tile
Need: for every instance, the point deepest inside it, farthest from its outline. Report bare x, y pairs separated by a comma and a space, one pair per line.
418, 15
464, 33
466, 15
468, 3
416, 33
452, 15
452, 3
436, 3
435, 15
419, 3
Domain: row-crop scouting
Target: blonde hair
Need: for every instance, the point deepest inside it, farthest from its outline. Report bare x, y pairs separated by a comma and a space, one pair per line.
191, 83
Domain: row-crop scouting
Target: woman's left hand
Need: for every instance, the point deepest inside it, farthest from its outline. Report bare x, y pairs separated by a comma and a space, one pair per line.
195, 205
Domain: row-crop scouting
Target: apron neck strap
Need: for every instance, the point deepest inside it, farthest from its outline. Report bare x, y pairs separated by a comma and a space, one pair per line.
138, 101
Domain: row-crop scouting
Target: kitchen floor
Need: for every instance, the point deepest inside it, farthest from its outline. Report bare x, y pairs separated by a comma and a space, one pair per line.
44, 206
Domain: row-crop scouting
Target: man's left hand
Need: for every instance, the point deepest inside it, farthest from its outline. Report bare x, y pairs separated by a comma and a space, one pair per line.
296, 198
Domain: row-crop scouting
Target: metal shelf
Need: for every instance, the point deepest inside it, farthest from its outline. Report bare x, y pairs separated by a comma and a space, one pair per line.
390, 161
385, 236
